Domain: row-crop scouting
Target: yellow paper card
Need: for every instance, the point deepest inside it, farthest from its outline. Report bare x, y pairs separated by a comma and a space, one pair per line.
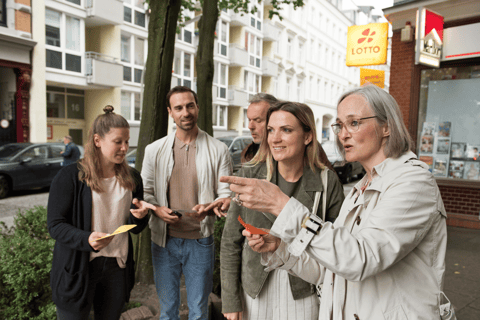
367, 44
119, 230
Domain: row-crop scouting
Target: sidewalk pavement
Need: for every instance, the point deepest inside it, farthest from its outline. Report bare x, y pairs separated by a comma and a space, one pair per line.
462, 277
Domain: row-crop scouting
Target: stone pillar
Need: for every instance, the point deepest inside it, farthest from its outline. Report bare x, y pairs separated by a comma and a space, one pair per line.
22, 95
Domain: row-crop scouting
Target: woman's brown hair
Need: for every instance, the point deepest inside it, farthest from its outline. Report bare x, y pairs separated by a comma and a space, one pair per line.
90, 166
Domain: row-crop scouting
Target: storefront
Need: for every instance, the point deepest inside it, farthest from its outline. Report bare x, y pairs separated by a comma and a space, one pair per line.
441, 105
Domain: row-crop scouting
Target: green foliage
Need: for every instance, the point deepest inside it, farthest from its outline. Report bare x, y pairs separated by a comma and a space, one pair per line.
26, 252
217, 235
131, 305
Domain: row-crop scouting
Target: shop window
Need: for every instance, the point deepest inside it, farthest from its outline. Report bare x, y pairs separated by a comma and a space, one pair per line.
3, 13
65, 103
448, 115
64, 53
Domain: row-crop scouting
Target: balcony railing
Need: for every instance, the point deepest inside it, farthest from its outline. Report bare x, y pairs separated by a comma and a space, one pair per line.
270, 31
239, 19
104, 12
103, 70
269, 68
238, 55
237, 97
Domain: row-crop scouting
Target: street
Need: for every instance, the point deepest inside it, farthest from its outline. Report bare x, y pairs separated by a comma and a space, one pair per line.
21, 200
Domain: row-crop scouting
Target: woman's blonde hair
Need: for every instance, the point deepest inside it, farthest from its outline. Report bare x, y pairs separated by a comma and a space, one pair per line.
90, 166
306, 118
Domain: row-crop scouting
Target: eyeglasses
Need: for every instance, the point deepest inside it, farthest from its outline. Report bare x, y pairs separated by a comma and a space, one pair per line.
351, 125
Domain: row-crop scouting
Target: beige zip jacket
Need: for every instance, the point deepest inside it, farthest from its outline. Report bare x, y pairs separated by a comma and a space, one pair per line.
212, 161
384, 257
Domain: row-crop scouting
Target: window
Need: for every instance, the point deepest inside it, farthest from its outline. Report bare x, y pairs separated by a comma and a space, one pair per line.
220, 79
312, 50
219, 116
320, 17
312, 19
245, 118
289, 48
300, 52
254, 48
319, 54
312, 88
134, 12
326, 57
77, 2
132, 46
256, 18
131, 107
182, 68
222, 41
65, 103
299, 90
252, 83
3, 13
63, 52
319, 94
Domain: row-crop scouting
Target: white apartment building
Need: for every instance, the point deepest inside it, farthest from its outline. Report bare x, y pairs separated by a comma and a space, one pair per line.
91, 53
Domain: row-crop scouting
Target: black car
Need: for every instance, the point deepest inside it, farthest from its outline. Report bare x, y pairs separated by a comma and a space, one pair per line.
346, 170
235, 146
29, 165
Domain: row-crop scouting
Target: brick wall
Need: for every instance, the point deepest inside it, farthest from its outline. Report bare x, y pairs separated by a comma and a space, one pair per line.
461, 200
401, 73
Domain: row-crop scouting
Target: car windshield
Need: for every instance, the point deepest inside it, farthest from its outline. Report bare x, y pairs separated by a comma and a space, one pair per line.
10, 150
227, 141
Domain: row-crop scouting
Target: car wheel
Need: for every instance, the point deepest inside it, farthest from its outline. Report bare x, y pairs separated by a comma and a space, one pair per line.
4, 187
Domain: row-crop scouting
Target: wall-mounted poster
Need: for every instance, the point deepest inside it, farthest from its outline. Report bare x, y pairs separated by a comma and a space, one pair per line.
472, 152
456, 169
444, 129
428, 160
443, 145
428, 128
458, 149
472, 170
440, 168
426, 144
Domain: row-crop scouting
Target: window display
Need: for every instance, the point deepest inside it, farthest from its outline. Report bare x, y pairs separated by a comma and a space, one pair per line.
448, 116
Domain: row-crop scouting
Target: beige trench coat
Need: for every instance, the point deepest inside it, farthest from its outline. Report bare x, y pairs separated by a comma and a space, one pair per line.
384, 257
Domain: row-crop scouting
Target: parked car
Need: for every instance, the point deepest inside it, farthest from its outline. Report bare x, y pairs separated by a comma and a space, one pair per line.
29, 165
236, 145
346, 170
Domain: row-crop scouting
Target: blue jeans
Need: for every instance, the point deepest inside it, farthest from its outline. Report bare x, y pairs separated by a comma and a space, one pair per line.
195, 258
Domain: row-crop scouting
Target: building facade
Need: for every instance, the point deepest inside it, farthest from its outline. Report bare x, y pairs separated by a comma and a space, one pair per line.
440, 104
90, 53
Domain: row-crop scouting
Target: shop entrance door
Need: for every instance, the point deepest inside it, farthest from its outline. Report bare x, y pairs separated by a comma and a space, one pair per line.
7, 115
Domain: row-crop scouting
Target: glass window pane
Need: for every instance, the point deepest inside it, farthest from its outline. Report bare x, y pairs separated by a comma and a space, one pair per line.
215, 73
74, 1
252, 43
252, 60
214, 115
76, 91
259, 47
125, 48
259, 25
186, 65
246, 40
187, 36
73, 63
125, 109
127, 14
55, 105
258, 63
75, 107
54, 59
177, 63
127, 74
221, 116
252, 22
73, 33
223, 49
224, 32
52, 28
140, 19
139, 4
139, 51
138, 106
138, 75
223, 93
223, 74
187, 83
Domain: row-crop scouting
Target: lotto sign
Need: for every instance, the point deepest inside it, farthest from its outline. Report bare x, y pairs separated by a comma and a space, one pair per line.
376, 77
367, 44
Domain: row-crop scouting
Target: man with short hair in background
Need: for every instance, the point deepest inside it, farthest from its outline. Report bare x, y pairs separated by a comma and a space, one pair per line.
71, 153
181, 175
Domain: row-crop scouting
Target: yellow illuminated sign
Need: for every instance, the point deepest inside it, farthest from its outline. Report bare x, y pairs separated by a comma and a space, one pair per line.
367, 44
376, 77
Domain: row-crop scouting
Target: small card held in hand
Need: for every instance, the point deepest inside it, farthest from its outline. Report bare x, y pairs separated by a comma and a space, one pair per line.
120, 229
250, 228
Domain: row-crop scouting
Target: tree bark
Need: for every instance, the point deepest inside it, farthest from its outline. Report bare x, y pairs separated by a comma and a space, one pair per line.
154, 123
204, 63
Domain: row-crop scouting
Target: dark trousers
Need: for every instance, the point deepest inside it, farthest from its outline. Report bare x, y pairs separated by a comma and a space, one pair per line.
106, 291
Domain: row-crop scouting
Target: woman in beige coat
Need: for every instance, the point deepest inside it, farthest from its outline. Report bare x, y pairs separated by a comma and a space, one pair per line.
384, 257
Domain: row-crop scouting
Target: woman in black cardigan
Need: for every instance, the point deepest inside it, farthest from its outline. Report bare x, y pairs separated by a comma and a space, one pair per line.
88, 200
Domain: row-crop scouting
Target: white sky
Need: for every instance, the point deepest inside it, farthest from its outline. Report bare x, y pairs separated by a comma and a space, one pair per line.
379, 4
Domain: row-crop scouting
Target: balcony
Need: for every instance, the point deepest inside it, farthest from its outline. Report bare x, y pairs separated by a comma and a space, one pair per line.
237, 97
270, 31
238, 56
269, 68
104, 12
237, 19
103, 70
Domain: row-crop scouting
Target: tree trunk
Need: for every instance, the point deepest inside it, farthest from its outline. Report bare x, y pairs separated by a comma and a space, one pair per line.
204, 63
154, 124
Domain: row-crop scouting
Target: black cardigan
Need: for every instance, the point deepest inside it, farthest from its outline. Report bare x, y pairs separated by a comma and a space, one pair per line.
69, 222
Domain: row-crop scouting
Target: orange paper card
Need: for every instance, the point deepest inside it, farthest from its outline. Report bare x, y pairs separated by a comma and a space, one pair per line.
250, 228
120, 229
